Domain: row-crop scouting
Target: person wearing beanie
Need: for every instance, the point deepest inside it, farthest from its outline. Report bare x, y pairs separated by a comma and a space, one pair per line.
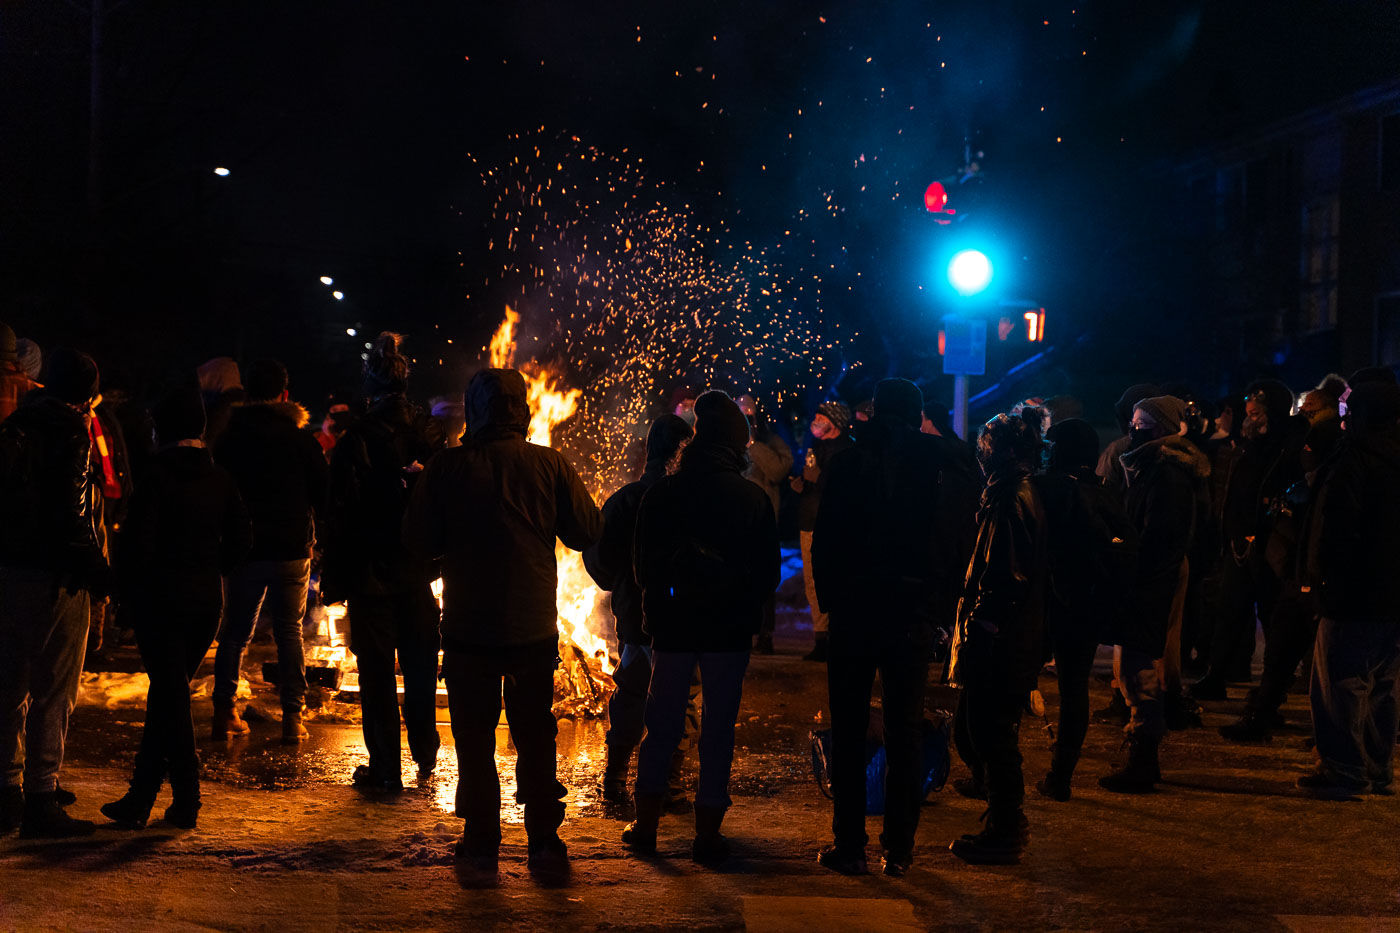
770, 462
1270, 463
51, 567
1166, 476
609, 563
15, 381
1350, 565
830, 432
491, 512
888, 573
374, 467
706, 557
281, 475
186, 528
1109, 466
29, 357
221, 387
1093, 554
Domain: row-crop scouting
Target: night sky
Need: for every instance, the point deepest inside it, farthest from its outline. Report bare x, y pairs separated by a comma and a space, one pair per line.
357, 136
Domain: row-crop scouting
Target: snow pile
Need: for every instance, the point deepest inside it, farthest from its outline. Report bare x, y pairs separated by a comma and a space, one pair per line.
112, 690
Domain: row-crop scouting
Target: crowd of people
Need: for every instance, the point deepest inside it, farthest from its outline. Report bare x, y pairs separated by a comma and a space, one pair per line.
1032, 544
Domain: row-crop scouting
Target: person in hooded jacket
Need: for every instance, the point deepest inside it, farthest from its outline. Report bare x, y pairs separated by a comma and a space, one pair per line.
221, 386
1270, 463
886, 560
281, 475
1354, 547
51, 564
388, 591
1109, 466
999, 643
609, 563
491, 511
1093, 557
186, 527
1165, 475
706, 557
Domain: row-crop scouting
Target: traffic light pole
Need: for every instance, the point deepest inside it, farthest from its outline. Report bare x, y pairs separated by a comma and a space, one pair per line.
960, 406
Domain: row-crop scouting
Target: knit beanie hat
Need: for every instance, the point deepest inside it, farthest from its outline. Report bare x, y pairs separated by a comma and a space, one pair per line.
665, 437
7, 343
1372, 406
837, 414
900, 399
719, 420
1167, 410
71, 377
219, 375
29, 357
179, 414
1074, 444
1133, 394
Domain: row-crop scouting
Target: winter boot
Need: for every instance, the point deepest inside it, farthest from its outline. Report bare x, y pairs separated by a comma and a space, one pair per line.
64, 796
1141, 772
1252, 727
615, 775
1001, 841
1115, 712
1055, 785
134, 809
227, 722
1181, 712
710, 846
640, 834
974, 787
11, 808
45, 819
293, 732
547, 855
844, 861
819, 650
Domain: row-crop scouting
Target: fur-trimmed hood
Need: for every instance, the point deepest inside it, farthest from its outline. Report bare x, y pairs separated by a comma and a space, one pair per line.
292, 411
1171, 449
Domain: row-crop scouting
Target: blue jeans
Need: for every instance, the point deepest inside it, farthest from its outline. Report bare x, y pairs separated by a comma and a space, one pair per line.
628, 707
280, 587
1356, 672
722, 673
43, 634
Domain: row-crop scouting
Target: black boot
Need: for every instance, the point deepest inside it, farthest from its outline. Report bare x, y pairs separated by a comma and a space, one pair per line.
615, 775
1001, 841
974, 787
710, 846
134, 809
640, 834
1055, 785
184, 787
1181, 712
1141, 772
1115, 712
45, 819
1252, 727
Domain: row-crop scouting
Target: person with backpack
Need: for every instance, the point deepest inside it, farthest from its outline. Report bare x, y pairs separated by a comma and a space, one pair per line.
999, 644
281, 476
51, 564
186, 527
1165, 474
1093, 560
373, 468
609, 563
884, 552
491, 511
706, 557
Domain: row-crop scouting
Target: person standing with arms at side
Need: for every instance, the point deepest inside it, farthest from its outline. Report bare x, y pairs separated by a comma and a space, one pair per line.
186, 526
609, 563
491, 511
389, 592
281, 475
830, 429
50, 562
706, 557
886, 555
999, 644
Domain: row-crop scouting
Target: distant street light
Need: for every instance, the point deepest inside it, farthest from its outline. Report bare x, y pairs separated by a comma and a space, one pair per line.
338, 295
221, 171
350, 332
969, 272
326, 280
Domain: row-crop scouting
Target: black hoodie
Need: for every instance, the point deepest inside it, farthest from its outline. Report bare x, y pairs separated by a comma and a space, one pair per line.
491, 510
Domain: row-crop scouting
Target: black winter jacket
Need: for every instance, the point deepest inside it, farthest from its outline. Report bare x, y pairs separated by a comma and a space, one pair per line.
609, 562
186, 528
373, 469
1166, 499
48, 503
885, 553
1001, 620
706, 554
281, 475
491, 510
1354, 530
810, 499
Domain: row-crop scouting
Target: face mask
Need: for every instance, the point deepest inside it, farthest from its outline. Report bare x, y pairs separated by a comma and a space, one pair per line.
1139, 436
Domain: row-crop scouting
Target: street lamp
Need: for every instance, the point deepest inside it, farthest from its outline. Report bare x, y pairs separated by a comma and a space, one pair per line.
965, 353
969, 272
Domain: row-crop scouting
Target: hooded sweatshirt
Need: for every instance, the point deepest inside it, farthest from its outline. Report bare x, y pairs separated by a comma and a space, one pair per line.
491, 510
